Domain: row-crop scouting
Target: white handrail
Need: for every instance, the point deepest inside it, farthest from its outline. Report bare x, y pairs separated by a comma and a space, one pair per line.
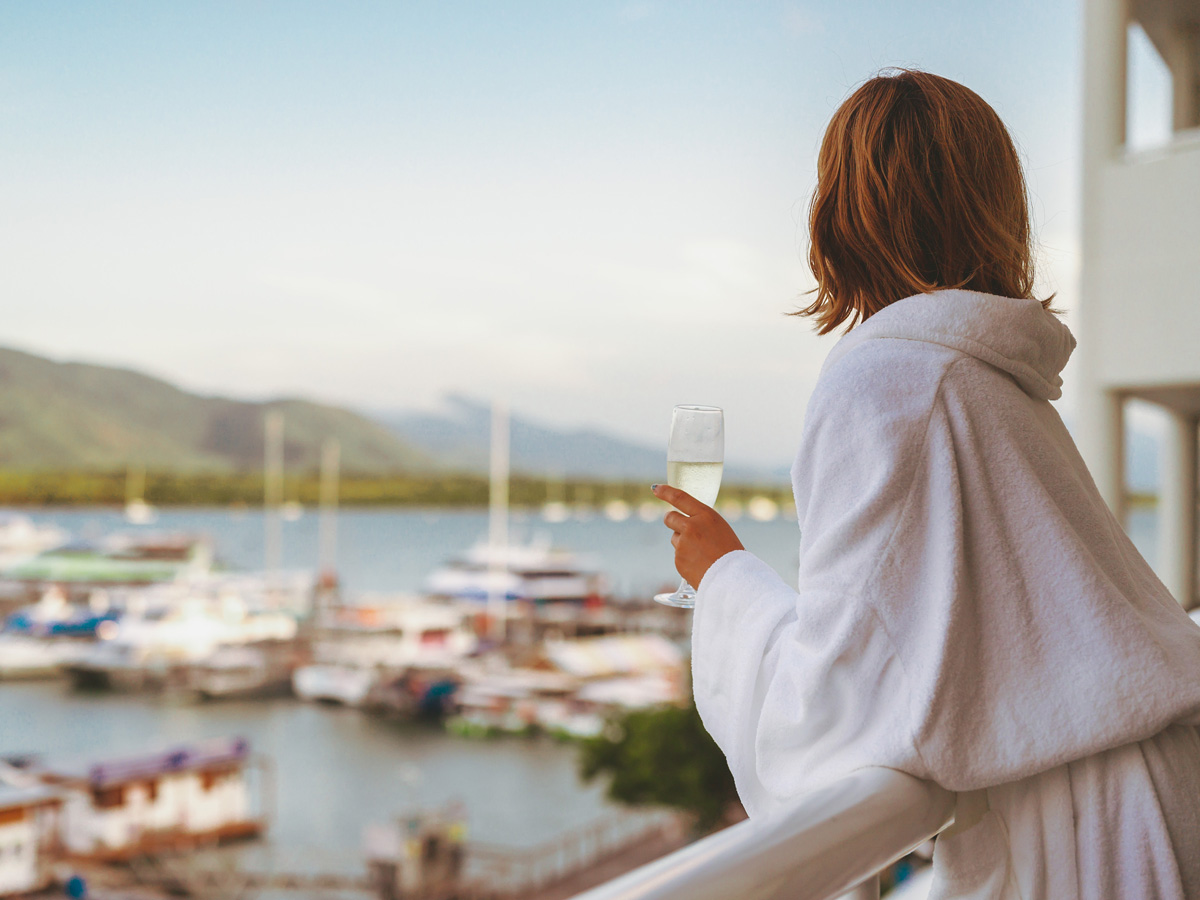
832, 840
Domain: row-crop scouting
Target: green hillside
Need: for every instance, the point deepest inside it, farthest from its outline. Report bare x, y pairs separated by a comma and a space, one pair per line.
79, 416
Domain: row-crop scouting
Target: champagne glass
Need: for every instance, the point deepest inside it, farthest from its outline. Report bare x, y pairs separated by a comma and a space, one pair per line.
695, 460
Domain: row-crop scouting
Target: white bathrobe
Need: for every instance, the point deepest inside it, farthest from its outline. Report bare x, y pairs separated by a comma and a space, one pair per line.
969, 612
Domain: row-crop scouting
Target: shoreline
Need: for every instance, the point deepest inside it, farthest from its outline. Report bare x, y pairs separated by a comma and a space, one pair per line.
238, 490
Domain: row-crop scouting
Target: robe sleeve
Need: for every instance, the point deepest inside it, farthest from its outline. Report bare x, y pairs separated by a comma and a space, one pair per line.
800, 687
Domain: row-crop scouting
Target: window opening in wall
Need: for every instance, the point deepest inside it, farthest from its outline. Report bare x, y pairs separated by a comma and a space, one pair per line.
1148, 102
1145, 431
108, 798
12, 815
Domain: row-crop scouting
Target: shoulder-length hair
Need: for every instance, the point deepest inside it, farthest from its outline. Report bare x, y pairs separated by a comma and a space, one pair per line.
919, 188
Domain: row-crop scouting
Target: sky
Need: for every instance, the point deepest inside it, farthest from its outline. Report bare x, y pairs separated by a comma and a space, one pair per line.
595, 210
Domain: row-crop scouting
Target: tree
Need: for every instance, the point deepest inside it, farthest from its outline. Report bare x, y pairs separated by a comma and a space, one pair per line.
663, 756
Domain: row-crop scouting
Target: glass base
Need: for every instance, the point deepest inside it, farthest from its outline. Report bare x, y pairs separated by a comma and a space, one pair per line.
684, 598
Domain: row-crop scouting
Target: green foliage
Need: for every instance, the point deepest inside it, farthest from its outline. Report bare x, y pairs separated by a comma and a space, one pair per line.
662, 756
37, 487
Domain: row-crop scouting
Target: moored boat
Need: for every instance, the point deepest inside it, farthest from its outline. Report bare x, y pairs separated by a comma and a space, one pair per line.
22, 538
172, 636
238, 672
38, 640
373, 651
572, 686
340, 683
27, 657
120, 560
535, 572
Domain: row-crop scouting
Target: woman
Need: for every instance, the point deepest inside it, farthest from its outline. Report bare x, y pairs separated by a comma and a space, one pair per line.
969, 611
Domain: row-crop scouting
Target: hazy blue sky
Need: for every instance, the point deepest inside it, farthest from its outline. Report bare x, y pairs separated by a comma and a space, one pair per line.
595, 208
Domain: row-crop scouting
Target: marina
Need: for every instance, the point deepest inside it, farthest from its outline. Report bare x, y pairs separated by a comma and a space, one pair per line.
408, 679
335, 771
363, 707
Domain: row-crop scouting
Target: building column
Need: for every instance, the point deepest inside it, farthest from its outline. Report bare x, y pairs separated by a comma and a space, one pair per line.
1101, 441
1105, 78
1177, 508
1181, 53
1099, 431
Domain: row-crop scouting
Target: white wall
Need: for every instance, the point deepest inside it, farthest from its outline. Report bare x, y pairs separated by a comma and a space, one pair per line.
181, 804
18, 856
1139, 311
1143, 264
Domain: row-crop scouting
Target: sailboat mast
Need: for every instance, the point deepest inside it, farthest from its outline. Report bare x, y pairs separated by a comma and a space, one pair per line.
273, 492
135, 484
498, 521
330, 460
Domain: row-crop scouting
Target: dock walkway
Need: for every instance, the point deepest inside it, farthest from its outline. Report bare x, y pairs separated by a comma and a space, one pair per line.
610, 866
556, 870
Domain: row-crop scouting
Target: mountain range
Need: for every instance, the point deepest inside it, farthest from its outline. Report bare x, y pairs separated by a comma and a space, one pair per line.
68, 415
80, 416
458, 435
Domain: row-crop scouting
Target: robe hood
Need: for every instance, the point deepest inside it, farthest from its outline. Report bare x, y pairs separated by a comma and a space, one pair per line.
1017, 336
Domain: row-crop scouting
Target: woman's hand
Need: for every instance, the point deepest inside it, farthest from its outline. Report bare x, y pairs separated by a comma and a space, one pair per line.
701, 536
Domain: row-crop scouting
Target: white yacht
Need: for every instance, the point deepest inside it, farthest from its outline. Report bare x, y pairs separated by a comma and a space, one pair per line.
37, 640
22, 656
341, 683
535, 571
21, 538
167, 630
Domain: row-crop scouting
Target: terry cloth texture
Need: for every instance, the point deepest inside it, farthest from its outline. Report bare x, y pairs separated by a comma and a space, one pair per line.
970, 612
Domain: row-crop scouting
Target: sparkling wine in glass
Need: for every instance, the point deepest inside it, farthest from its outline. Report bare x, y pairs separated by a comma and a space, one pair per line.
695, 460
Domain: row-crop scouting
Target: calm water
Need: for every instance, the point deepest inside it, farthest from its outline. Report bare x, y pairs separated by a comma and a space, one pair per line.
336, 769
386, 550
382, 550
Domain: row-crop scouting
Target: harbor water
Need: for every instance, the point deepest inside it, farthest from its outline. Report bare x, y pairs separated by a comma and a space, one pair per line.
336, 769
394, 550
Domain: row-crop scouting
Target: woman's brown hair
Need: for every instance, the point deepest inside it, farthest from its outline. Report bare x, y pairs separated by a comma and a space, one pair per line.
919, 188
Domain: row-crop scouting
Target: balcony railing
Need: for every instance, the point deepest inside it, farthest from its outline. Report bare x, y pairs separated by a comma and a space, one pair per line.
833, 841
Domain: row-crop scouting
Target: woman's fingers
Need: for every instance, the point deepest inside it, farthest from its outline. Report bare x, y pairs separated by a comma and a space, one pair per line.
675, 521
681, 500
698, 533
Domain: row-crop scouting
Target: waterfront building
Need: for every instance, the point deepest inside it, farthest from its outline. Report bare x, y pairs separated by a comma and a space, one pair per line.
28, 837
119, 808
1139, 321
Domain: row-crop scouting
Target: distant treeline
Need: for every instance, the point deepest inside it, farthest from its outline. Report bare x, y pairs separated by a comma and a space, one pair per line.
72, 488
